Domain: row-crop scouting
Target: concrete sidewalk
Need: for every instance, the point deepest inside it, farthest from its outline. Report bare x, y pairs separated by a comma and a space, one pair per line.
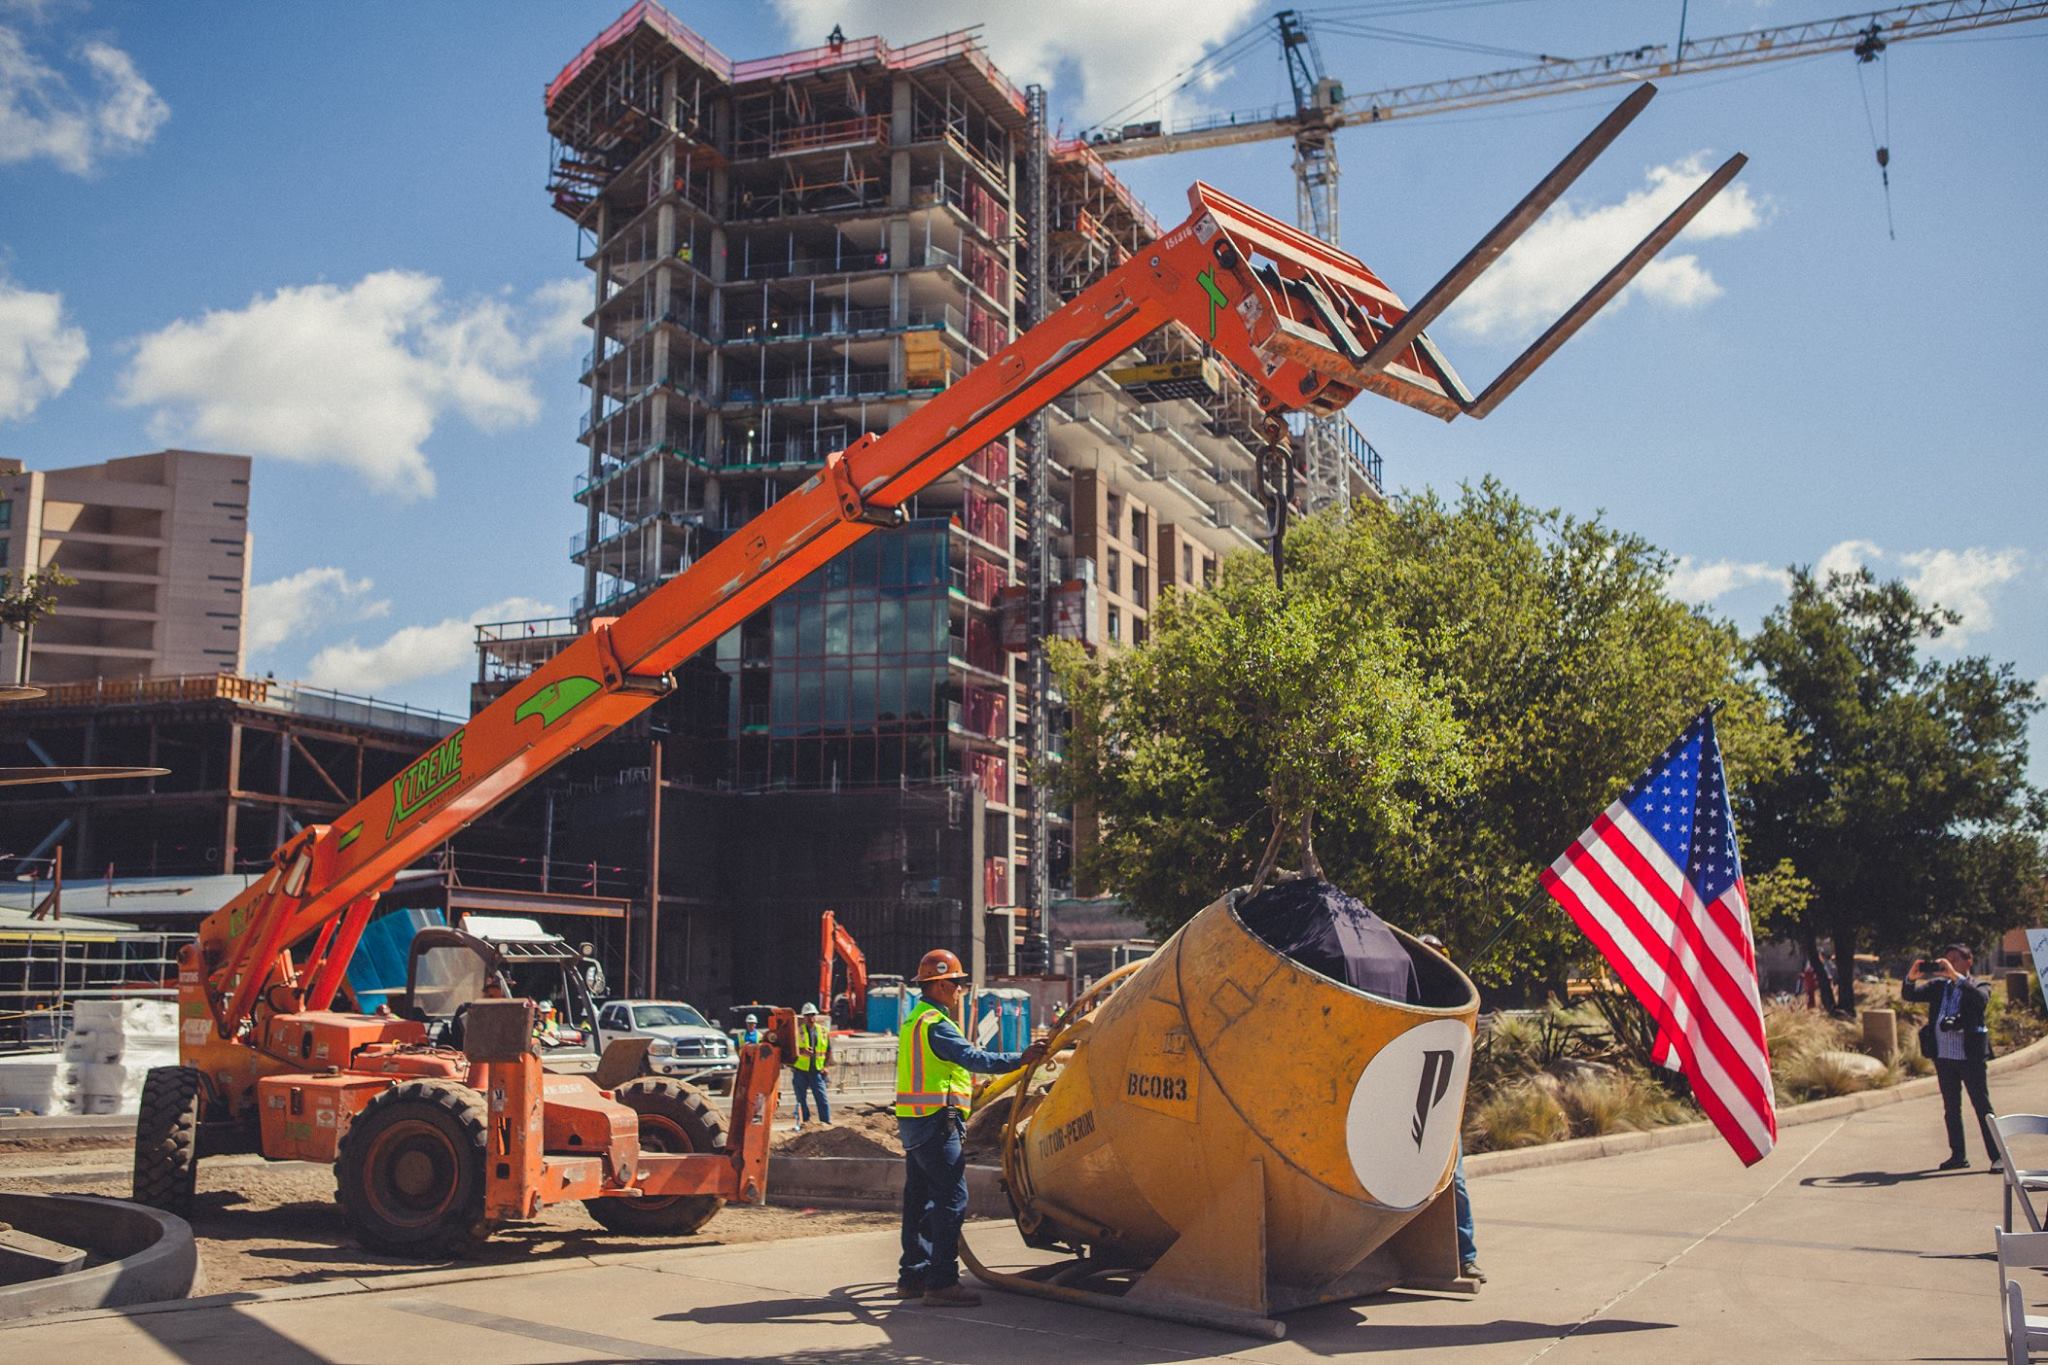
1843, 1245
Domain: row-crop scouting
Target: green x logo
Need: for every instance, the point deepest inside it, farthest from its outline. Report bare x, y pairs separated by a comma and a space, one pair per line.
1207, 279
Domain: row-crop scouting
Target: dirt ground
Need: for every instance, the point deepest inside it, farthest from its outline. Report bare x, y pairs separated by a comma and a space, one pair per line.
870, 1130
263, 1226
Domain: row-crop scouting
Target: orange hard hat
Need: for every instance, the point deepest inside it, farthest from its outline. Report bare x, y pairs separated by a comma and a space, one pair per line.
940, 965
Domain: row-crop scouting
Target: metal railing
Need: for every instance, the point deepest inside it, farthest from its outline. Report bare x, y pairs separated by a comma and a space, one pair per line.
267, 693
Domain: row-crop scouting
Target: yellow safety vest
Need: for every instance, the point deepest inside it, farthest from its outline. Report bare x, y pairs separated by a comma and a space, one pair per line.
924, 1083
810, 1048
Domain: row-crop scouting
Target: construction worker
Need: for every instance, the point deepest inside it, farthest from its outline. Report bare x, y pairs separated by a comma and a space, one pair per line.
1468, 1245
934, 1091
752, 1032
807, 1072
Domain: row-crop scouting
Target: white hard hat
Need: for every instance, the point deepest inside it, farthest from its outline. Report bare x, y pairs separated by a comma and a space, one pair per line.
808, 1009
750, 1019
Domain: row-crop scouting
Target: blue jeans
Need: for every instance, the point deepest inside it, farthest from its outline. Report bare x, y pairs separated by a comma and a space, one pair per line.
1468, 1250
811, 1083
934, 1205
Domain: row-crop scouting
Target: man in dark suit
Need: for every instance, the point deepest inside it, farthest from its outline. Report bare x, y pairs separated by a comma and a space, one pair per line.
1956, 1038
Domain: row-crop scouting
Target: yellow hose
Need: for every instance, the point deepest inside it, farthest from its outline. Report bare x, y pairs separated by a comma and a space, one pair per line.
1020, 1079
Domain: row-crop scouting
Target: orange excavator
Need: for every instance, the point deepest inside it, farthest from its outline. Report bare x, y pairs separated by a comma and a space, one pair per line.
849, 1008
434, 1144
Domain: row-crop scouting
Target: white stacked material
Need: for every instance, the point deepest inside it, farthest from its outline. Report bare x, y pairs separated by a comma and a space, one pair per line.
34, 1083
112, 1046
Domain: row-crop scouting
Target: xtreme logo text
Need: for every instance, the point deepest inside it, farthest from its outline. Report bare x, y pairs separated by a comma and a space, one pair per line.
435, 773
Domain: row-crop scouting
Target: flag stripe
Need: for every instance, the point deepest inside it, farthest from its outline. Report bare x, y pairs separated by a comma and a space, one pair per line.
1680, 911
1656, 884
1739, 1133
1713, 1064
1658, 945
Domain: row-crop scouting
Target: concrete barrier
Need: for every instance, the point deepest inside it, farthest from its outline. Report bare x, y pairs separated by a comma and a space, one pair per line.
151, 1254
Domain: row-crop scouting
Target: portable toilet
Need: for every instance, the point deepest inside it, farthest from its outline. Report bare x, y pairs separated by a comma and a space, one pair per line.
888, 1007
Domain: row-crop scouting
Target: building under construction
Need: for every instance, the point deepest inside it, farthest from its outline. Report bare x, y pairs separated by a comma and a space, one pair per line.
787, 253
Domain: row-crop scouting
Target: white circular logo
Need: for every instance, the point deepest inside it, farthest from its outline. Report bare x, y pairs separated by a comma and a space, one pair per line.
1403, 1123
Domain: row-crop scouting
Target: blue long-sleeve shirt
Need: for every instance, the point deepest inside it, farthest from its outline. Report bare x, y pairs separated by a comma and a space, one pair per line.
952, 1046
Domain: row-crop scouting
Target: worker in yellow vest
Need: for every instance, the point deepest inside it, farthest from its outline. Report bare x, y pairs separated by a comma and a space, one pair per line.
807, 1072
934, 1091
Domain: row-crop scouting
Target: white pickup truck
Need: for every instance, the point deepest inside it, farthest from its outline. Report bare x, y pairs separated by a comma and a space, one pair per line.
683, 1042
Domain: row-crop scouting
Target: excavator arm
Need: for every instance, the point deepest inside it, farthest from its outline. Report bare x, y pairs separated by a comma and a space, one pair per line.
835, 943
1310, 326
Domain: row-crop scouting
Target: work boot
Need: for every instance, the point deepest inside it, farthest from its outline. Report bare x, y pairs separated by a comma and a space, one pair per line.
950, 1296
1955, 1163
1471, 1271
908, 1289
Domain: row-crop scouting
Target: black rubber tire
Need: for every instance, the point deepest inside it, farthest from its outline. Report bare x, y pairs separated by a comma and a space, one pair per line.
675, 1116
409, 1174
167, 1138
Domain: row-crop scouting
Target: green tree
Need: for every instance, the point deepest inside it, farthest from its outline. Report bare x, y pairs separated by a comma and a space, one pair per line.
1570, 667
28, 601
1254, 720
1547, 639
1907, 809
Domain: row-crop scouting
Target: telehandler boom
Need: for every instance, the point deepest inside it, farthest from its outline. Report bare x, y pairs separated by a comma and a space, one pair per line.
433, 1145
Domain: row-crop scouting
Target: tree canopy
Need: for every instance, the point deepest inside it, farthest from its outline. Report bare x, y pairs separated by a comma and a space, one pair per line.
1506, 671
1907, 809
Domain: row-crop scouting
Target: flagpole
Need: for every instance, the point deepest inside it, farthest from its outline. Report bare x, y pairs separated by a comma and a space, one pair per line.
1486, 949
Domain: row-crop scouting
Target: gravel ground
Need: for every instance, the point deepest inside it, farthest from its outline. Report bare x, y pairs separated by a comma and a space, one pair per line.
263, 1226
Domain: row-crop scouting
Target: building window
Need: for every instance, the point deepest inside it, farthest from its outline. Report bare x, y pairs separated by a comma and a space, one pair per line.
1116, 513
1140, 580
1116, 574
1208, 572
1187, 563
1116, 625
1138, 527
6, 513
1138, 631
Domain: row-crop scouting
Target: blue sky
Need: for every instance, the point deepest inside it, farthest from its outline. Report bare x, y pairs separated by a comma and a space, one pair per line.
319, 235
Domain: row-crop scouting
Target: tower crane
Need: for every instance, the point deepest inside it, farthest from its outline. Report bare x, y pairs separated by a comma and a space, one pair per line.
1320, 108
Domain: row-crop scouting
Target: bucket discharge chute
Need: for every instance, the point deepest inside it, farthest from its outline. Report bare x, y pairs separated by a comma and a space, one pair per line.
1235, 1134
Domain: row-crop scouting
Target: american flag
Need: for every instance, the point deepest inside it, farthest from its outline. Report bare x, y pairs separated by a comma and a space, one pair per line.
1656, 883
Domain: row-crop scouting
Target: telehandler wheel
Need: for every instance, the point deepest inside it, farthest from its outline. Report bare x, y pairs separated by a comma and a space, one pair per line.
410, 1170
674, 1117
167, 1139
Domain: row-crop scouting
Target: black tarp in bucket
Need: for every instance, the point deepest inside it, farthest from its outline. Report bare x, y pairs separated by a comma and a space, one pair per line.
1332, 932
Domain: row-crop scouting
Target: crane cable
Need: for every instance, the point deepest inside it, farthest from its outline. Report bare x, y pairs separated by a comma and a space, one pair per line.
1870, 50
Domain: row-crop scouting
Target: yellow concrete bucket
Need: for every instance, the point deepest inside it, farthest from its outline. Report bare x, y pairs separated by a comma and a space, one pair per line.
1234, 1135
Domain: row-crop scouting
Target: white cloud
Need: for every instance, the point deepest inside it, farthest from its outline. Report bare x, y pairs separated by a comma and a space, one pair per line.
43, 115
1961, 580
39, 355
414, 652
291, 606
1700, 583
355, 376
1118, 52
1559, 258
1846, 557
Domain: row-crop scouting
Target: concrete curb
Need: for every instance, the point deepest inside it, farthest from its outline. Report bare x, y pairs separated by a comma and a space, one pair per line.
29, 1127
1679, 1134
152, 1257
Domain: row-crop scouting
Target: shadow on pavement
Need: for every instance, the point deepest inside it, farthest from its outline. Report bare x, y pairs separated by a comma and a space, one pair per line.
1338, 1329
1872, 1180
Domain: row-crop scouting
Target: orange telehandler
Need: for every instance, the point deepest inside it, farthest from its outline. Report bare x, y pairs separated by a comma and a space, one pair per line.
433, 1146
